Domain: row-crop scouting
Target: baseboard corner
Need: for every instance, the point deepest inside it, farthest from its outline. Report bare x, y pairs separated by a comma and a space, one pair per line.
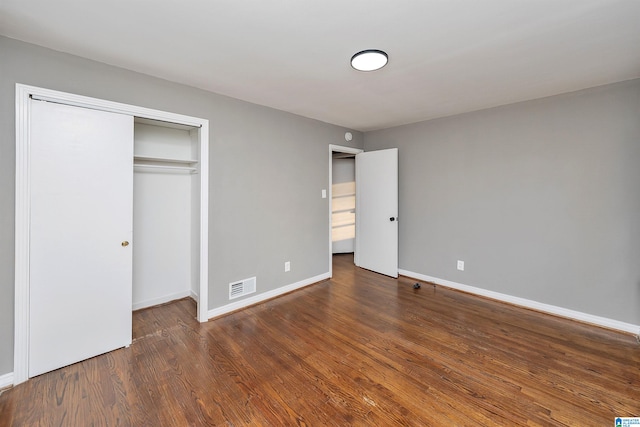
6, 380
161, 300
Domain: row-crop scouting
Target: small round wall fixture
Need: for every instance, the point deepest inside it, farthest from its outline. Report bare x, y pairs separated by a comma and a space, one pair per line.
348, 136
369, 60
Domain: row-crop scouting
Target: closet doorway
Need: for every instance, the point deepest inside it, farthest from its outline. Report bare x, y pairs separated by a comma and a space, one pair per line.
342, 201
376, 208
170, 159
165, 212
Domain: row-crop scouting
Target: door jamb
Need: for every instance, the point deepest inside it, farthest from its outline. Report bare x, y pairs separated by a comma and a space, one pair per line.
338, 149
23, 198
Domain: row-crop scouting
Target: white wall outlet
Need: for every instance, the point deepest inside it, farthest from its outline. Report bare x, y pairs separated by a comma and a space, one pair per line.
287, 266
324, 193
460, 265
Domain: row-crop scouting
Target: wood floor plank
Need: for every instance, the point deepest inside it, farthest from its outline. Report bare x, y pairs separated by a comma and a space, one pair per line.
360, 349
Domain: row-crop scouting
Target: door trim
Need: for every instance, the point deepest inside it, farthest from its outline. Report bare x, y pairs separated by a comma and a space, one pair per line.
338, 149
23, 202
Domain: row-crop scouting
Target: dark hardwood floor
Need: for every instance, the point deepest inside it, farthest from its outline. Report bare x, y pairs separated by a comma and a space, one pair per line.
360, 349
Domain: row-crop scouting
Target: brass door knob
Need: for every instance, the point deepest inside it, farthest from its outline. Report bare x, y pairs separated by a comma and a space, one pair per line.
125, 243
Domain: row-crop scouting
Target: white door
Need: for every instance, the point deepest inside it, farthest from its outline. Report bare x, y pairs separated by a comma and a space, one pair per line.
81, 177
377, 211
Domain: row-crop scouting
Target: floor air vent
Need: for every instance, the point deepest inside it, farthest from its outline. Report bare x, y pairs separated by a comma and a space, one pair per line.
243, 287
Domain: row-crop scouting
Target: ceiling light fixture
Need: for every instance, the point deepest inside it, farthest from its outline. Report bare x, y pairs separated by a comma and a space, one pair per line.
369, 60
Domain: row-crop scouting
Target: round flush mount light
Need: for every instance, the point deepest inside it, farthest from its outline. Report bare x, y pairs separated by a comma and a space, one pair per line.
369, 60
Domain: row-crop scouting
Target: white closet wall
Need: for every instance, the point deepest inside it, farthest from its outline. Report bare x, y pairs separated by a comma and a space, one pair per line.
165, 213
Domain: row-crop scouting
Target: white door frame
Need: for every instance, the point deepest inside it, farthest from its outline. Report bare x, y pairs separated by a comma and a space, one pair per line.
23, 200
338, 149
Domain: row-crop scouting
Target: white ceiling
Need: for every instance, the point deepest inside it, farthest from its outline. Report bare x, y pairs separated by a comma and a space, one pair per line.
445, 56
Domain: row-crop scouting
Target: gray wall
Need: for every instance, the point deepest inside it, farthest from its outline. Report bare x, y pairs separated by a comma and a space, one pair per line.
541, 199
267, 172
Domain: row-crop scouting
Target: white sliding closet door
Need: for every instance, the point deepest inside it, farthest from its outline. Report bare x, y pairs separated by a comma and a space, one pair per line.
81, 177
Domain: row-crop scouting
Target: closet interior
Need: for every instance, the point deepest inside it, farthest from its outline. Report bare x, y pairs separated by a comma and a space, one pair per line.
166, 212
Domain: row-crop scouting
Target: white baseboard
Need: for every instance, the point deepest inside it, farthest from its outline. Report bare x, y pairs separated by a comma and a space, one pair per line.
6, 380
265, 296
194, 296
534, 305
161, 300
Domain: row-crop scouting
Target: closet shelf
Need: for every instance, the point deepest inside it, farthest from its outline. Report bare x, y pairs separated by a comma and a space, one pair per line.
339, 196
163, 160
349, 210
163, 163
167, 168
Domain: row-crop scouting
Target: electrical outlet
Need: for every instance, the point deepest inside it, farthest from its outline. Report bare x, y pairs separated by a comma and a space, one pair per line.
460, 265
287, 266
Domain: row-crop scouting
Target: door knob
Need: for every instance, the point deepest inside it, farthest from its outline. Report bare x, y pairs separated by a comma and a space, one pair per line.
393, 218
125, 243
